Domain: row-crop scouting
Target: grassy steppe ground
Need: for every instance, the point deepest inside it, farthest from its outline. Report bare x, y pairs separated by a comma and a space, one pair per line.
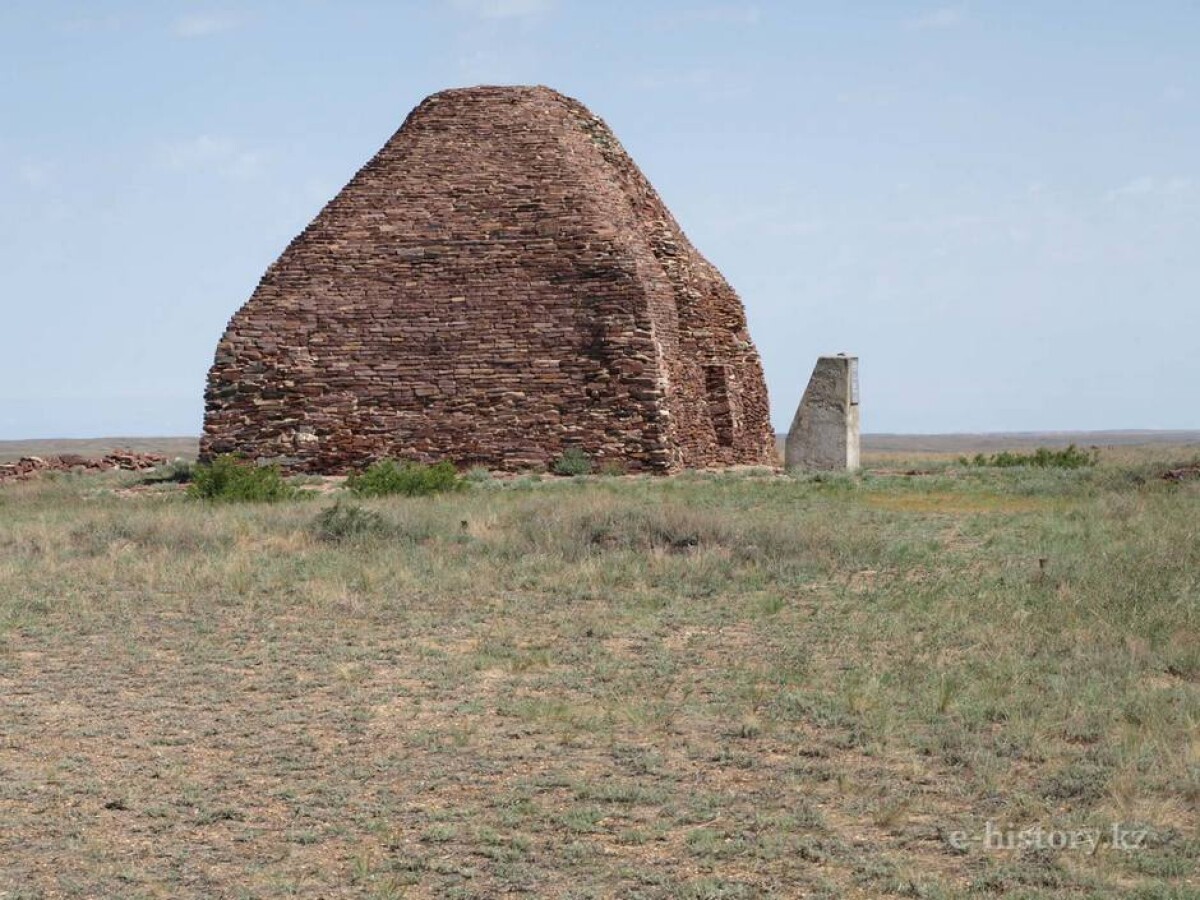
712, 686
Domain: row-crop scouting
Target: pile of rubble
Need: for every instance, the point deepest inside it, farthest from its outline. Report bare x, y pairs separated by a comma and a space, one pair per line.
118, 460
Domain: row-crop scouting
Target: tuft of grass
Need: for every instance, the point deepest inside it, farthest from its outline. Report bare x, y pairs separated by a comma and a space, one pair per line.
613, 468
230, 479
410, 479
179, 471
572, 463
345, 521
578, 530
479, 475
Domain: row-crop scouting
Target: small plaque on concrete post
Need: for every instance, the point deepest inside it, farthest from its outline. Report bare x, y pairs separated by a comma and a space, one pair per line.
825, 432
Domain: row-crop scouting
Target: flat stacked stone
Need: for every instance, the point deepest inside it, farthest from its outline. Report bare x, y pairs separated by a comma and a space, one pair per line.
118, 460
497, 285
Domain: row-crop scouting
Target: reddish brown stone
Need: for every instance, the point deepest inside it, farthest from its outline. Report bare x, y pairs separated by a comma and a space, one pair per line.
31, 466
498, 284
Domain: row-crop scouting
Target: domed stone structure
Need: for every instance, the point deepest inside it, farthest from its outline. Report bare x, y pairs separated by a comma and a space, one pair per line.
500, 283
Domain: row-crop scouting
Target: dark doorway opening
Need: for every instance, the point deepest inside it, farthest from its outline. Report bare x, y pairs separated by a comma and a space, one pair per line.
716, 387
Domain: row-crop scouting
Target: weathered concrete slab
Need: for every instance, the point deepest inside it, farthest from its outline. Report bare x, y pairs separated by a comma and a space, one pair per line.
825, 432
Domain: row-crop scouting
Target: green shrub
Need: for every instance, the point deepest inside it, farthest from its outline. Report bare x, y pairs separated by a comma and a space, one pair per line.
1070, 457
479, 475
408, 478
573, 462
343, 522
232, 479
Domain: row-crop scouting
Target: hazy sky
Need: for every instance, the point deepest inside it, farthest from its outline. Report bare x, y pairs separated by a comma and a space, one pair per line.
996, 205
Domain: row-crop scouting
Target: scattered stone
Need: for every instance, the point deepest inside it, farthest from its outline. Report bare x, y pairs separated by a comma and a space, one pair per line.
124, 460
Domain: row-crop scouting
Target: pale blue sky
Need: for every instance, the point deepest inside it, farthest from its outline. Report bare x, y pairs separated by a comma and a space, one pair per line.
995, 204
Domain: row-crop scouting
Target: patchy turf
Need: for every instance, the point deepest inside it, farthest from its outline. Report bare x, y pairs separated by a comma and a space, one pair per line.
701, 687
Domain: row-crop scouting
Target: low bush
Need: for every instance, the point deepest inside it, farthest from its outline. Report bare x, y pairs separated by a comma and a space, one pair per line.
575, 531
232, 479
345, 522
410, 479
670, 528
573, 462
479, 475
1070, 457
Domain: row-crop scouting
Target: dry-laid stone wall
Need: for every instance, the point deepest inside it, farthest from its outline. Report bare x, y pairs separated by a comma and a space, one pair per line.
117, 461
498, 284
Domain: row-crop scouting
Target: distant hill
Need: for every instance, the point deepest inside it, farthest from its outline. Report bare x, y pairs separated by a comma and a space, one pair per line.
1016, 440
892, 445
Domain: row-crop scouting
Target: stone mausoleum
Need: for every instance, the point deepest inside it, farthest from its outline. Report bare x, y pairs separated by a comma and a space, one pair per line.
500, 283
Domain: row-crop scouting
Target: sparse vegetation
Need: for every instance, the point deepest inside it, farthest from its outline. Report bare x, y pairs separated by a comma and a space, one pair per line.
1069, 457
478, 475
229, 479
572, 463
613, 468
736, 684
345, 521
179, 471
410, 479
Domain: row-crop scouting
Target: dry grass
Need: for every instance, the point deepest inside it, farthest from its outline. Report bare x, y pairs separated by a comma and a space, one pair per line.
701, 687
